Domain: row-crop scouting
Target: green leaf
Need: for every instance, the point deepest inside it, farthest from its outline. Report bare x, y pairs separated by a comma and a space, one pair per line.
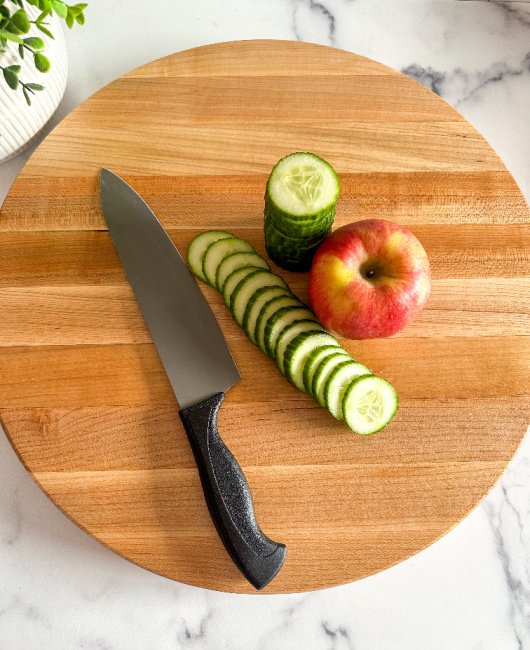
42, 63
26, 95
43, 16
80, 19
11, 78
11, 37
46, 31
35, 43
60, 8
70, 19
1, 2
21, 51
33, 86
14, 68
21, 21
4, 11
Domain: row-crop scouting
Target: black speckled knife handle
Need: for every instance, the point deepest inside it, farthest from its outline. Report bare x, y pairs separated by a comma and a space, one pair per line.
228, 496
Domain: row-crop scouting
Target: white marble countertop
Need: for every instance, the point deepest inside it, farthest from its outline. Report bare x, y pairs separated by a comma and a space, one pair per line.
60, 589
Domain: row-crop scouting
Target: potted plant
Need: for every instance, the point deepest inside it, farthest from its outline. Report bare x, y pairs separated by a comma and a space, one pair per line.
33, 67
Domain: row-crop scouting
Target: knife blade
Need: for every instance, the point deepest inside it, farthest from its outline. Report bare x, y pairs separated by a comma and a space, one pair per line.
199, 366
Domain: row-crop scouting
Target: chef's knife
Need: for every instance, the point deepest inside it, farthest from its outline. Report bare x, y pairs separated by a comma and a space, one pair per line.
199, 366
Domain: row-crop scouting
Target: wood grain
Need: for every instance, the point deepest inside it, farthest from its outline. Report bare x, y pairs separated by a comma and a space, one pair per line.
84, 398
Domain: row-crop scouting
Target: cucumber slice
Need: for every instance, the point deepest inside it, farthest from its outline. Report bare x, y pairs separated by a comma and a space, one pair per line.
256, 303
289, 333
198, 247
280, 319
247, 286
267, 311
233, 280
321, 375
298, 352
216, 253
368, 404
339, 379
302, 186
237, 261
300, 202
314, 359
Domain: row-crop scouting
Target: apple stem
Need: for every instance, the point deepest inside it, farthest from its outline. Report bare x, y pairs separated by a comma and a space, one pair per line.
370, 273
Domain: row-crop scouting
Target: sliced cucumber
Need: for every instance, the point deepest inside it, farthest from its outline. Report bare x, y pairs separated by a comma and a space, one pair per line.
283, 327
321, 376
233, 280
256, 303
246, 288
339, 379
300, 202
292, 254
314, 359
309, 229
198, 247
216, 253
289, 333
280, 319
302, 186
298, 352
267, 311
368, 404
237, 261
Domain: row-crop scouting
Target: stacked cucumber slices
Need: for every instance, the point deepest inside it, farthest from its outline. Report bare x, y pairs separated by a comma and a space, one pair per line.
285, 329
299, 209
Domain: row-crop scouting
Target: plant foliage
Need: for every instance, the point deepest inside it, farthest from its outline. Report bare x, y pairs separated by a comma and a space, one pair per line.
15, 25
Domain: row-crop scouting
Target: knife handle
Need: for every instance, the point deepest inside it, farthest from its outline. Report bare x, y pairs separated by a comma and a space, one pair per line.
228, 496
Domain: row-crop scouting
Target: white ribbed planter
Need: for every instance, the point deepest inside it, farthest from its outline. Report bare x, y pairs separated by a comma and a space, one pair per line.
20, 123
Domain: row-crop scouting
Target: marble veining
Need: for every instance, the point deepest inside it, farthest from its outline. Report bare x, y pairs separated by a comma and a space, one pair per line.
61, 590
311, 18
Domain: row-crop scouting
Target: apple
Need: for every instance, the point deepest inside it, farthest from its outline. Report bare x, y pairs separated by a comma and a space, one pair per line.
369, 279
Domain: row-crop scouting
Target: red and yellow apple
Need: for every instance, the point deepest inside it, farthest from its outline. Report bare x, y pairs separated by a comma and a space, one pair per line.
369, 279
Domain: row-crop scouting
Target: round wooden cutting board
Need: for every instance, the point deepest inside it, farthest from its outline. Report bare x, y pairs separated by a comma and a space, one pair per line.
83, 395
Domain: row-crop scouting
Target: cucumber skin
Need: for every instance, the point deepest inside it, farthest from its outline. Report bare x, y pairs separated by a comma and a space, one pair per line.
289, 253
301, 227
298, 237
290, 247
